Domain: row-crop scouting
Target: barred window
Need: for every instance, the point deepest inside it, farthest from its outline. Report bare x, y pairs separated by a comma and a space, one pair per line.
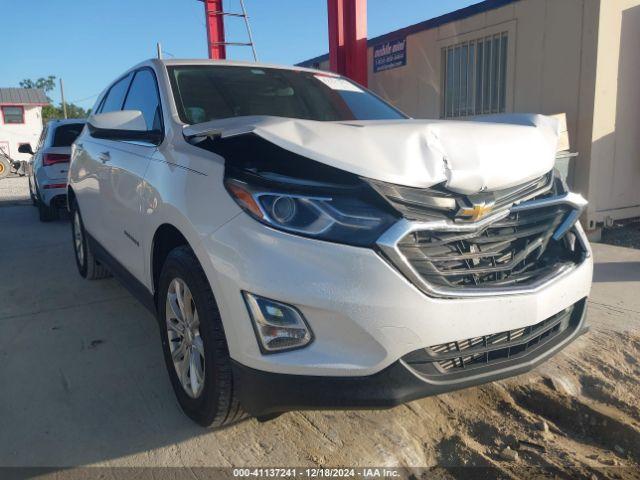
474, 77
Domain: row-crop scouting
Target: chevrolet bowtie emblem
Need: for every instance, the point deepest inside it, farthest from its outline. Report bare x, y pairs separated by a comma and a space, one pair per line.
476, 212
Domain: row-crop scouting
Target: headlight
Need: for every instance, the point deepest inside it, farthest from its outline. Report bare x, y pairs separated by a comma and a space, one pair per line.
339, 217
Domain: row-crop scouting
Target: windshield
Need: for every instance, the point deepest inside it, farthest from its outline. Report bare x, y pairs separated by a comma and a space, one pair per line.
210, 92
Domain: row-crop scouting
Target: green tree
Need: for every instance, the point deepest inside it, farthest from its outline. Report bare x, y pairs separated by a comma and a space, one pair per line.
47, 84
51, 112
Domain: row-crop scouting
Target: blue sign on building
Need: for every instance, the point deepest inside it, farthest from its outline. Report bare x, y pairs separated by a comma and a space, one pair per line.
390, 55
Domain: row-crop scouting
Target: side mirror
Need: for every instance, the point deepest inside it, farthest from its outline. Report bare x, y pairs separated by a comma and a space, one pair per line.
25, 148
122, 125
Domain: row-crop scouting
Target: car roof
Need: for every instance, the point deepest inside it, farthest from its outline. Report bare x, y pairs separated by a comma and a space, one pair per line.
66, 121
169, 62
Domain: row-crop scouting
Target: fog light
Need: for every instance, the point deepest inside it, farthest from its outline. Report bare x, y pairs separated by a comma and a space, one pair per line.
278, 326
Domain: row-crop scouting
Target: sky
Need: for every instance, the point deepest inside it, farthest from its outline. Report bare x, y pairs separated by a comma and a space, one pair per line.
89, 43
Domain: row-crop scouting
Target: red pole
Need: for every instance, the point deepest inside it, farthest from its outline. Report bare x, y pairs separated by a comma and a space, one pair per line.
214, 20
336, 35
348, 38
356, 41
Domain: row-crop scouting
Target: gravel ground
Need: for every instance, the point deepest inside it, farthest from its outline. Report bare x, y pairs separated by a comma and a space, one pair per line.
14, 190
623, 234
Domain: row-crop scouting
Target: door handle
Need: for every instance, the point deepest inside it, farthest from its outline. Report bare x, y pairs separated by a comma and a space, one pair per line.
104, 157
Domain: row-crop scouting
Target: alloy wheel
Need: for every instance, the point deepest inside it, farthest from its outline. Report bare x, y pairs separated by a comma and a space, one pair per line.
183, 332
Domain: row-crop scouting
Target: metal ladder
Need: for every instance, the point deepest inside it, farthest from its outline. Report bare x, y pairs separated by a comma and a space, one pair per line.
243, 14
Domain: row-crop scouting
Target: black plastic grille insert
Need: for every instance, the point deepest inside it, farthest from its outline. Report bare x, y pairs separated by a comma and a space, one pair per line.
488, 350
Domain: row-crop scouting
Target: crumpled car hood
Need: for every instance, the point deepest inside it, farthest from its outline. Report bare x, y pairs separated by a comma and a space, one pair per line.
489, 153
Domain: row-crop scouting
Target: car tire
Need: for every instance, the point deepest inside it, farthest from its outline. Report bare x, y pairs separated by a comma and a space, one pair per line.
34, 199
5, 166
216, 404
88, 266
45, 213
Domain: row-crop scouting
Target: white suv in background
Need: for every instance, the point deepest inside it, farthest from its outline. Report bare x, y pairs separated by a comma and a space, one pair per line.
50, 164
304, 244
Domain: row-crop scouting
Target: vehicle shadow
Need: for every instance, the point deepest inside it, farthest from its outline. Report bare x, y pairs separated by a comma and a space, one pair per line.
14, 202
81, 367
616, 272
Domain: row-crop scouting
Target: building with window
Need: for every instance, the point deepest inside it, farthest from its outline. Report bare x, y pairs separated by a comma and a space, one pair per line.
20, 119
577, 57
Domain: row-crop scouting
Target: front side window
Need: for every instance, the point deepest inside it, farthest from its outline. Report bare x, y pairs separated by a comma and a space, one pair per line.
474, 77
115, 97
210, 92
143, 96
13, 114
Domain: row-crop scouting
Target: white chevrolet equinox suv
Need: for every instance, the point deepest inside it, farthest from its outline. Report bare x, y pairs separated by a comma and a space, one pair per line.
305, 245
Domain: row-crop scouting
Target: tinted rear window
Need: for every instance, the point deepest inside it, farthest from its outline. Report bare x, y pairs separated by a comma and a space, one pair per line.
65, 135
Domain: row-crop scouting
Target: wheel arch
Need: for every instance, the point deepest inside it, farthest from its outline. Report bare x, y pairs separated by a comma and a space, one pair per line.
166, 238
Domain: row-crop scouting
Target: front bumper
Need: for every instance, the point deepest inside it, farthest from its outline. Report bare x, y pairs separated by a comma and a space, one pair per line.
365, 314
263, 393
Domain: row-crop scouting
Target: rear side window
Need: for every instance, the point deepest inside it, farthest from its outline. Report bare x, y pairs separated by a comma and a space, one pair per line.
45, 130
65, 135
115, 97
143, 96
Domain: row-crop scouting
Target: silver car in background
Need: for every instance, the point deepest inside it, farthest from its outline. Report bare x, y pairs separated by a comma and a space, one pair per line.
50, 165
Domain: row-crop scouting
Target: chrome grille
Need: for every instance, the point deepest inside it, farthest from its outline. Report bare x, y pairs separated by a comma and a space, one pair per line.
515, 250
478, 352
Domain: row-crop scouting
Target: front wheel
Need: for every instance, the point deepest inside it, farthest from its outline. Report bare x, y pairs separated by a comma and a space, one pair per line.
194, 343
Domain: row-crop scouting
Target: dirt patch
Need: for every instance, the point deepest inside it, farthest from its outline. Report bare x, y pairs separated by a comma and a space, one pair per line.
578, 420
464, 434
575, 417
